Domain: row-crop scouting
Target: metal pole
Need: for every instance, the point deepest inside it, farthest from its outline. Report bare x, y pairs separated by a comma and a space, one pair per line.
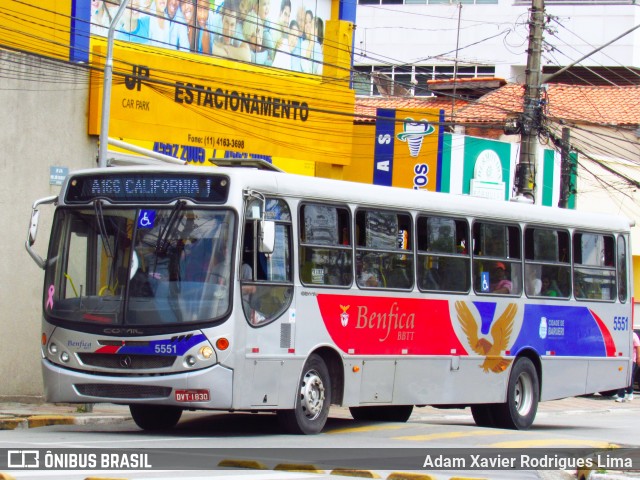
526, 171
565, 168
106, 88
455, 65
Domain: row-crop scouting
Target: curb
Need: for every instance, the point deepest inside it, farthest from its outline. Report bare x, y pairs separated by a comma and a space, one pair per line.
35, 421
348, 472
249, 464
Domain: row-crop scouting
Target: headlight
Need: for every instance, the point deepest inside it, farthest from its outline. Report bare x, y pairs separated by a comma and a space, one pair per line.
206, 352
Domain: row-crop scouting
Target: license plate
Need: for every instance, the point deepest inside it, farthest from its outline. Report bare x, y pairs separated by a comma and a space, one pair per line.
192, 395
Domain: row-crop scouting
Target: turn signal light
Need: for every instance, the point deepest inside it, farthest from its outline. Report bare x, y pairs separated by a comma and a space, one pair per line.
222, 343
44, 339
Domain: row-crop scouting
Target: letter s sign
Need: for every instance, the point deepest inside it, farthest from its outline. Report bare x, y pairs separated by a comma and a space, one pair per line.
384, 139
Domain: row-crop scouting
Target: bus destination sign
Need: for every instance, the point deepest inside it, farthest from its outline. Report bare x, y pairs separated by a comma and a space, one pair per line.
147, 187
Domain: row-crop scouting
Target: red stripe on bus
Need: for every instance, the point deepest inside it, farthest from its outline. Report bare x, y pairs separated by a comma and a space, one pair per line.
378, 325
609, 344
109, 349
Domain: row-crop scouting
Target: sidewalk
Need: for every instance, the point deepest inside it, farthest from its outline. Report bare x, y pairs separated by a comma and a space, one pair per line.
31, 415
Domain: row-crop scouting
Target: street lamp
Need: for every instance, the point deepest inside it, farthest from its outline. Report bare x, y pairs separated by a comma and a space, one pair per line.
106, 88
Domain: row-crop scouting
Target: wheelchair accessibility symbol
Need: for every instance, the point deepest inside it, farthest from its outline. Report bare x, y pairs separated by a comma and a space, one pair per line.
146, 218
484, 280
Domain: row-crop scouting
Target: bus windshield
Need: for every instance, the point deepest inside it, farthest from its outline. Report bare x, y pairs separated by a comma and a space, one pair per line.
130, 266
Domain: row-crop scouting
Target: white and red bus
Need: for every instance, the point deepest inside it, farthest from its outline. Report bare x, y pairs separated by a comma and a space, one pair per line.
240, 289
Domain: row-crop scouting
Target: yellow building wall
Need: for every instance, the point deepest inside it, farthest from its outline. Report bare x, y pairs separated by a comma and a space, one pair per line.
36, 26
199, 107
361, 167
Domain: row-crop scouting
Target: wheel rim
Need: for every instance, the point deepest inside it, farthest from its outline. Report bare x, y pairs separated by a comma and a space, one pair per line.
523, 395
312, 395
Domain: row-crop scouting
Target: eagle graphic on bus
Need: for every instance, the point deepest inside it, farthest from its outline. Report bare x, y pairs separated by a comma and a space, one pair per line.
500, 335
344, 316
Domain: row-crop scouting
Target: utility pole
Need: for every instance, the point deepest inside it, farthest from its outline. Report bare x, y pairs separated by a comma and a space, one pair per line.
566, 169
531, 116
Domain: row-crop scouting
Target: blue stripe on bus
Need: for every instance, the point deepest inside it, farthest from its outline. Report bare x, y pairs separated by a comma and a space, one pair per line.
564, 330
177, 347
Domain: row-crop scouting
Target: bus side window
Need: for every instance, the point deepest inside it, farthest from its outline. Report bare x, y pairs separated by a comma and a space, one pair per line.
497, 263
622, 269
384, 250
325, 251
594, 274
547, 264
443, 259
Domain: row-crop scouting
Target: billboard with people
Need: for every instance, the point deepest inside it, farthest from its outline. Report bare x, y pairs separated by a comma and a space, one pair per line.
287, 34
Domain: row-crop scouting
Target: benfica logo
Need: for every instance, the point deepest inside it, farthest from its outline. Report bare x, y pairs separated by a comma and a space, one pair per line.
344, 316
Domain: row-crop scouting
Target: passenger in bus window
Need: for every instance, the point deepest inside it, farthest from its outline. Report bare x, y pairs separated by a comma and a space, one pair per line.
500, 283
370, 275
549, 288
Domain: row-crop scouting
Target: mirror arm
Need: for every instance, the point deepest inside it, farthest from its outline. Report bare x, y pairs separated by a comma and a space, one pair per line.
33, 229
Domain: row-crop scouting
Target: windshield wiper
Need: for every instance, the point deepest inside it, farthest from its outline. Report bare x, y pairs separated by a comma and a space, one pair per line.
102, 228
163, 244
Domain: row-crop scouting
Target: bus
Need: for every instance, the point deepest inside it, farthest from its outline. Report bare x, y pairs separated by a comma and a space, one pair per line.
171, 288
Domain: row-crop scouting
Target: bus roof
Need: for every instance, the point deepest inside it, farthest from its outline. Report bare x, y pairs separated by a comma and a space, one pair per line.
341, 191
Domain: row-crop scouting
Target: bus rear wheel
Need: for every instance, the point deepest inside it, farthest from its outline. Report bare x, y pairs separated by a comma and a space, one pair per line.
523, 394
155, 417
382, 413
483, 415
313, 399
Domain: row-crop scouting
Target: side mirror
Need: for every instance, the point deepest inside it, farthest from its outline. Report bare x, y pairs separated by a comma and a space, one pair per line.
33, 228
267, 236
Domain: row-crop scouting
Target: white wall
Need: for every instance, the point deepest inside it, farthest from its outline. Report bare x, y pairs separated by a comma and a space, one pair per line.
427, 34
44, 112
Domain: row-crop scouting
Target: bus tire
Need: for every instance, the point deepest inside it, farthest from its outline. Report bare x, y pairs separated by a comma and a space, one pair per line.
523, 394
313, 399
382, 413
483, 415
155, 417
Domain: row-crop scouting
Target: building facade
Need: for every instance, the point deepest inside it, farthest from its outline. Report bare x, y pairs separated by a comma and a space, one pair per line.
413, 41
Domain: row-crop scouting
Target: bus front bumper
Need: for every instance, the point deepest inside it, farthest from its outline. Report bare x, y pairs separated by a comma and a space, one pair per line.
210, 388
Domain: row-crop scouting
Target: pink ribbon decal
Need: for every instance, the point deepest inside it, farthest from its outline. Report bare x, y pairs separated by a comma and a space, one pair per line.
49, 304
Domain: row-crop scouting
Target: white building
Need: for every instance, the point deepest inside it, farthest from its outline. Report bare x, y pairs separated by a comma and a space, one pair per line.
423, 40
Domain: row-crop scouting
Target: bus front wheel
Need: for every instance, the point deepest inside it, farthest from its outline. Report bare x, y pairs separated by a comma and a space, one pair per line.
155, 417
523, 393
313, 398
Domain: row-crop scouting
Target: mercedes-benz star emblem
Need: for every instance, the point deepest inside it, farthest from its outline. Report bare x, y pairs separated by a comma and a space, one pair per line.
125, 362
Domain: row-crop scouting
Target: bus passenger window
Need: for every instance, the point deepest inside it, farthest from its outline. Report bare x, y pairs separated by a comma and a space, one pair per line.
443, 259
497, 264
325, 252
547, 263
384, 251
622, 270
594, 273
